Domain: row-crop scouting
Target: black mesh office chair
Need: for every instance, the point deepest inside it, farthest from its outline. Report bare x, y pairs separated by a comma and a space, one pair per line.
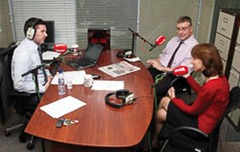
181, 139
20, 100
181, 85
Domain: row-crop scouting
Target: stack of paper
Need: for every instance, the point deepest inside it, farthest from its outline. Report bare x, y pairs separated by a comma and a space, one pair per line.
107, 85
63, 106
50, 55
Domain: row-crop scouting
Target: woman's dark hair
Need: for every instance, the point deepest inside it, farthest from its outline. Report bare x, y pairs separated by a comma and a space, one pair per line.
210, 57
32, 22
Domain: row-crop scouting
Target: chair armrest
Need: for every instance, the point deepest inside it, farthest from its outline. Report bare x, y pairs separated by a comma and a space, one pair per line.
175, 79
187, 128
179, 129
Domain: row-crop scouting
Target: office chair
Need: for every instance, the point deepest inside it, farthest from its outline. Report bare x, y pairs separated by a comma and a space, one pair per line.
20, 100
179, 83
180, 139
181, 86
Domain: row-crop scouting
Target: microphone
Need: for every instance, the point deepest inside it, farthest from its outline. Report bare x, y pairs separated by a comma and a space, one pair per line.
60, 48
159, 41
179, 71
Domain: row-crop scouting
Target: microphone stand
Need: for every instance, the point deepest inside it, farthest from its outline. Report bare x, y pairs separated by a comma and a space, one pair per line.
34, 71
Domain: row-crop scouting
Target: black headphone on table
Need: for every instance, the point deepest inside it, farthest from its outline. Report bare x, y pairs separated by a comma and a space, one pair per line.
126, 96
31, 31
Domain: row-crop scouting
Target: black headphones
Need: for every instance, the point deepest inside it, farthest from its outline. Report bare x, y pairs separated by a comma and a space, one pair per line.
31, 30
126, 96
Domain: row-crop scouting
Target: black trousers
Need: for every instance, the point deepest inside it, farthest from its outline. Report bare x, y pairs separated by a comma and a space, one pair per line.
163, 85
179, 83
27, 104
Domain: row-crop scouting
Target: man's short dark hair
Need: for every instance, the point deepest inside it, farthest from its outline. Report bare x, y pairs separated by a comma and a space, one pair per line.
32, 22
183, 19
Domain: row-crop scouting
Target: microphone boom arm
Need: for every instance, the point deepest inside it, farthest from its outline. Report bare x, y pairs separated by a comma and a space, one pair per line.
138, 35
34, 70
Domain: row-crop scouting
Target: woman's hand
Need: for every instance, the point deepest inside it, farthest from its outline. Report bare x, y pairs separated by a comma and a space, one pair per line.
171, 93
186, 75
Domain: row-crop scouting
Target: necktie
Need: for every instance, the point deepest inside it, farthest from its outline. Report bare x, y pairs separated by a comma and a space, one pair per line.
172, 58
43, 69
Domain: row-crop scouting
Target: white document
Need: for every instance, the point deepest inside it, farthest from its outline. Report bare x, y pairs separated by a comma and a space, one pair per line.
107, 85
62, 106
50, 55
77, 77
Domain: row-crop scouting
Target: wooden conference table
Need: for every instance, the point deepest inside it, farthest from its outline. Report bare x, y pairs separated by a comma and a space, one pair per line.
99, 124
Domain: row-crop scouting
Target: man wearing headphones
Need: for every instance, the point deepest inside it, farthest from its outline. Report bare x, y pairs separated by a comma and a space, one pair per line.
28, 56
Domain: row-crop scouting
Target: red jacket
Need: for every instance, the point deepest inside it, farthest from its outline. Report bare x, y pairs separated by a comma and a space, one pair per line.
211, 102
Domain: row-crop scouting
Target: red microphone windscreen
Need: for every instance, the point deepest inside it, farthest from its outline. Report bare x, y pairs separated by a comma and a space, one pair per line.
160, 40
180, 70
61, 48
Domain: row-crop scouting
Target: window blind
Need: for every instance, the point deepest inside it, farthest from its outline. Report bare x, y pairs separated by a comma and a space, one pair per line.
118, 15
62, 12
74, 17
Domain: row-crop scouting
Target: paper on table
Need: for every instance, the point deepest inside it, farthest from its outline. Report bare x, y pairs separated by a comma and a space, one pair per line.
132, 59
119, 69
77, 77
50, 55
107, 85
62, 106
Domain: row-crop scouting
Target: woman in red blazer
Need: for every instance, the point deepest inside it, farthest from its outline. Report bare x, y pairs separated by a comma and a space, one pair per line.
211, 100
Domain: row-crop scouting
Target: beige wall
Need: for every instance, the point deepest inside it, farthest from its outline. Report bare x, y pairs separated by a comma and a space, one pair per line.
158, 17
5, 25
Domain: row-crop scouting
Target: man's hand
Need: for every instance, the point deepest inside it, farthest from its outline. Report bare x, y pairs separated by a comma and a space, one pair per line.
50, 77
154, 63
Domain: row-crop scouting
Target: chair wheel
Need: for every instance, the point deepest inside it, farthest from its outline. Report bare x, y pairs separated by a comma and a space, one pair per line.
7, 134
23, 137
30, 146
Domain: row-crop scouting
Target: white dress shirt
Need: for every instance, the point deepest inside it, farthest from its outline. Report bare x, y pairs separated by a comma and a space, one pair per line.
183, 55
25, 58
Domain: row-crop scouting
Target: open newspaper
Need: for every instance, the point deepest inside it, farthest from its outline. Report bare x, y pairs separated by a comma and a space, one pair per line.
119, 69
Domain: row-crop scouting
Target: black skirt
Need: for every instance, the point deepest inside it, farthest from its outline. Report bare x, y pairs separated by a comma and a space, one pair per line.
177, 117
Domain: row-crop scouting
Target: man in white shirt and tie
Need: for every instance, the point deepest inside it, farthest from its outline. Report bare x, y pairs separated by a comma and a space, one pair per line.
27, 57
176, 53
